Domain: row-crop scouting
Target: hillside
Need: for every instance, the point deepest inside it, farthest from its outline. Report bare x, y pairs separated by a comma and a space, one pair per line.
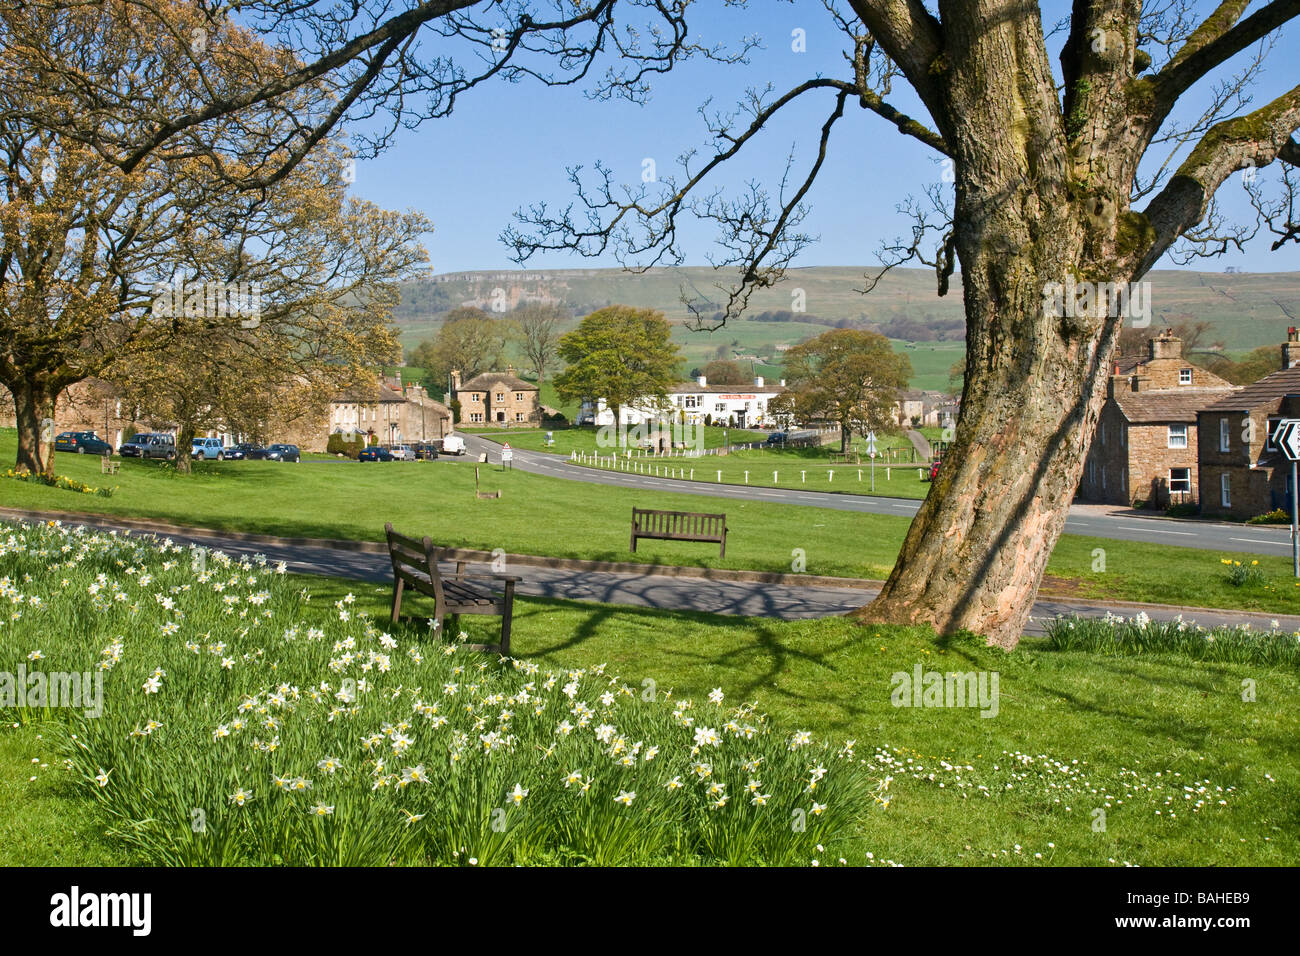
1247, 310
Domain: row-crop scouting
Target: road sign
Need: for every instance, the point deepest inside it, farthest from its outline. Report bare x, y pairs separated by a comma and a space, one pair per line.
871, 444
1287, 437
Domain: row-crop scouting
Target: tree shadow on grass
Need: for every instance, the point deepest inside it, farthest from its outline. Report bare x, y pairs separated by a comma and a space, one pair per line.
753, 640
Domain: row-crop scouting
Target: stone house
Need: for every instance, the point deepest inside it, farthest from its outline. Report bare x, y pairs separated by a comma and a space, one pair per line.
496, 398
1242, 471
1145, 446
388, 413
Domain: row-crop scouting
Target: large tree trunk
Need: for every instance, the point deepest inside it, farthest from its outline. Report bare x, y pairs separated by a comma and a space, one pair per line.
34, 408
1029, 211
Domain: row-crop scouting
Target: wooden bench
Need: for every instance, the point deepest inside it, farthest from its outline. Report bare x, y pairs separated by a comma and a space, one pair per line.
846, 458
680, 526
107, 466
415, 565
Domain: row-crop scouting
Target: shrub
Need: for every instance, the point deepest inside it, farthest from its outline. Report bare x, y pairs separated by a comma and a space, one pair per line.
1184, 510
338, 445
1276, 516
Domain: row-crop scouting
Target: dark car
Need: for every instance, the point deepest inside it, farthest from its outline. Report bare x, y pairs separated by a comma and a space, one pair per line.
248, 450
425, 450
149, 445
375, 453
776, 438
233, 453
83, 443
282, 453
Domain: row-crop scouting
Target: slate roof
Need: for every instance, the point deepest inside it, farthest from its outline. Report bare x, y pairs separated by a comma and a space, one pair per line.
1168, 406
1269, 390
486, 381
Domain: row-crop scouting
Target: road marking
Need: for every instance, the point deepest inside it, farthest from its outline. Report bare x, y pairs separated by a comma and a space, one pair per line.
1189, 534
1280, 544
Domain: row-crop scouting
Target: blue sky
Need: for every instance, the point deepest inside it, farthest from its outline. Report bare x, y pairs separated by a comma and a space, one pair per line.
508, 146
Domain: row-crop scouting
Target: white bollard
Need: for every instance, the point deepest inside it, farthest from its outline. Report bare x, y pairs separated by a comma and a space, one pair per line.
719, 476
886, 474
830, 475
774, 478
692, 474
803, 476
746, 477
859, 474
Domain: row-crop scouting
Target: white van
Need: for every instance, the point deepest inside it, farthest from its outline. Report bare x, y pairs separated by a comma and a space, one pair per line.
453, 445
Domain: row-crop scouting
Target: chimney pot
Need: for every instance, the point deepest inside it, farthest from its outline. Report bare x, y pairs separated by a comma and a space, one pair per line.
758, 382
702, 381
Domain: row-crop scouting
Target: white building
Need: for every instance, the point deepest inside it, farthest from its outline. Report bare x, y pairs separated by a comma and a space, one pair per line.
689, 403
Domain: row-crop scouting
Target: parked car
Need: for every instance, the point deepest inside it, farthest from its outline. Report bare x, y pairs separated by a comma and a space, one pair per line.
453, 445
83, 443
204, 448
375, 453
149, 445
283, 453
425, 450
776, 438
233, 453
249, 450
402, 452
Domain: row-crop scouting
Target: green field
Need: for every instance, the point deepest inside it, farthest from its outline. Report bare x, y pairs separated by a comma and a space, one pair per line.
552, 516
1160, 748
587, 440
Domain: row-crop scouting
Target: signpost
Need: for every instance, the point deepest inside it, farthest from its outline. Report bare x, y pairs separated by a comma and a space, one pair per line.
1287, 437
871, 450
507, 455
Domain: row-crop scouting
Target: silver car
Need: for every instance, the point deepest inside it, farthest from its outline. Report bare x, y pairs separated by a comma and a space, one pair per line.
403, 452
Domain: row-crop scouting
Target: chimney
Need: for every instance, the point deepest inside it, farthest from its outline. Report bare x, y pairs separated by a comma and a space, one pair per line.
758, 382
1291, 348
510, 370
1166, 346
455, 380
783, 383
702, 381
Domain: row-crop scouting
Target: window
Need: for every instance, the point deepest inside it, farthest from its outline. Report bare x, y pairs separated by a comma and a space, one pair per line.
1269, 442
720, 407
1180, 479
692, 401
501, 396
1225, 491
519, 396
1177, 436
519, 416
1225, 436
1184, 376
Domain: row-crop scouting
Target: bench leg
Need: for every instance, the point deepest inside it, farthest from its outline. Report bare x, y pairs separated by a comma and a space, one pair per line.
722, 551
507, 615
398, 584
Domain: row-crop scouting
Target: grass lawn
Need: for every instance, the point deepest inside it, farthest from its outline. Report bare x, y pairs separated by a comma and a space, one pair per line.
1184, 771
806, 469
585, 439
552, 516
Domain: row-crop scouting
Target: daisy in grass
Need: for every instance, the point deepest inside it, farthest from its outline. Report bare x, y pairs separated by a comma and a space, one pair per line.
625, 797
517, 795
321, 810
240, 797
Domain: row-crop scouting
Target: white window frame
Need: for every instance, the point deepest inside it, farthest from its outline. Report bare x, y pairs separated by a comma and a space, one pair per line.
1184, 376
1172, 434
1187, 489
1225, 490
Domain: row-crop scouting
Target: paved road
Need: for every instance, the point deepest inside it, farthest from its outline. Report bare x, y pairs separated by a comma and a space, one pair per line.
1099, 521
784, 602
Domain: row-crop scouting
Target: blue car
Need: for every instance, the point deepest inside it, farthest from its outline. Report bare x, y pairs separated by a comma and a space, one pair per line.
375, 453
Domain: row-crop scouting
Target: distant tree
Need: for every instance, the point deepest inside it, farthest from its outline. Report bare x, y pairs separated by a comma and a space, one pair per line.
848, 376
621, 354
536, 329
725, 372
1250, 368
1198, 347
469, 340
